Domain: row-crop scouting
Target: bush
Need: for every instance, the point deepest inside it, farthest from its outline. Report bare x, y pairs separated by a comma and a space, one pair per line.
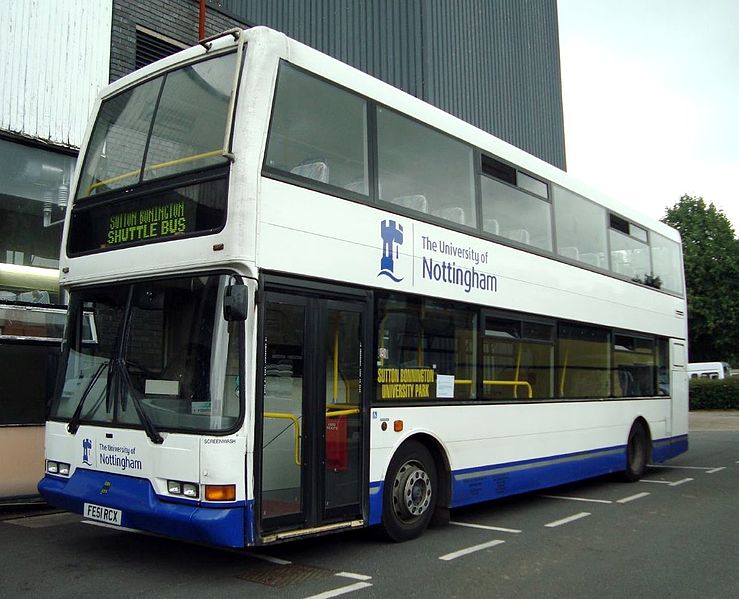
714, 394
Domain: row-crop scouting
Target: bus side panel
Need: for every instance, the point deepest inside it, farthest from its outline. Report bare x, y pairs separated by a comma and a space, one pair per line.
500, 450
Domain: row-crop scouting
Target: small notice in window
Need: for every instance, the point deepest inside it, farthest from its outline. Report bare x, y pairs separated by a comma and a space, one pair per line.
445, 385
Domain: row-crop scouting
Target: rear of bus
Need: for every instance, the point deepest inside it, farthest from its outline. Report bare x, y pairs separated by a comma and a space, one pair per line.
145, 429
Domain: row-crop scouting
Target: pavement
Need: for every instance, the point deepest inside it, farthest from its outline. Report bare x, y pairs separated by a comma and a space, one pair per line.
713, 420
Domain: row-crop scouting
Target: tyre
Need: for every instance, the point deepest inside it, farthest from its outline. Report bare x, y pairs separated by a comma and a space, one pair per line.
637, 452
410, 492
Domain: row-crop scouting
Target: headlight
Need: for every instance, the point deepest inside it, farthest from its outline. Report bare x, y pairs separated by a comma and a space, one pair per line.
54, 467
189, 490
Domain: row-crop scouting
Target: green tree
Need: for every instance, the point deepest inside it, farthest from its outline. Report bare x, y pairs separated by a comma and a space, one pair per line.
711, 255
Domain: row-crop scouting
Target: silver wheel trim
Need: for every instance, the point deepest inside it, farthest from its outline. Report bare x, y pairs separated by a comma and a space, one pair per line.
411, 491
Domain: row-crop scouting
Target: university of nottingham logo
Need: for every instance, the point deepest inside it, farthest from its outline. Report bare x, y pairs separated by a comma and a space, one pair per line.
392, 239
86, 449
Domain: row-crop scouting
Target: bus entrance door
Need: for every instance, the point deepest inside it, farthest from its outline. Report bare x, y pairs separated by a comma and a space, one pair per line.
312, 425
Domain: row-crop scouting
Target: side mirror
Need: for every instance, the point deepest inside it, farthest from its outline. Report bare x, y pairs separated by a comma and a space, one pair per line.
236, 303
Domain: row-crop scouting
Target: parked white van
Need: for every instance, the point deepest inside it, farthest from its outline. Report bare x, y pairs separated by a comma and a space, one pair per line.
709, 370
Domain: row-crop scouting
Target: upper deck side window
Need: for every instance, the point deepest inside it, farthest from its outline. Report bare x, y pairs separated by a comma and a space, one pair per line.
318, 132
629, 250
666, 263
581, 228
508, 207
168, 125
422, 169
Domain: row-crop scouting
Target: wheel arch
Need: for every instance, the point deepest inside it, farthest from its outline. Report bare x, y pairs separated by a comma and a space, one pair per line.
641, 421
441, 459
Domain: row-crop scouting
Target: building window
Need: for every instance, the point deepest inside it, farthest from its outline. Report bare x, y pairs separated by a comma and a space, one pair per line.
34, 190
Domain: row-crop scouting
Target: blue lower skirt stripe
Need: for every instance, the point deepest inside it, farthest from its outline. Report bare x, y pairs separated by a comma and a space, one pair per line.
143, 510
494, 481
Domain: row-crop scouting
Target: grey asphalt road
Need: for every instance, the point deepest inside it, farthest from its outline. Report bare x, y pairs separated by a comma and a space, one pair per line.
673, 534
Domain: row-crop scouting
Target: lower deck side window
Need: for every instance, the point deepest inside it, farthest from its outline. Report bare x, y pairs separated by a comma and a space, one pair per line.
430, 350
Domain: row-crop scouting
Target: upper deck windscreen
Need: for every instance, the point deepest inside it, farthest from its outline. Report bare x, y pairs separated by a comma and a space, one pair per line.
165, 126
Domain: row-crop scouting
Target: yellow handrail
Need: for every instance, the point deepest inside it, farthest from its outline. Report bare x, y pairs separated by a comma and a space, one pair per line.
518, 369
514, 384
564, 372
336, 364
155, 167
294, 419
337, 413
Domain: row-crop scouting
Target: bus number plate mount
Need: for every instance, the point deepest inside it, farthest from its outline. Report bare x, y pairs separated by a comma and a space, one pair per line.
100, 513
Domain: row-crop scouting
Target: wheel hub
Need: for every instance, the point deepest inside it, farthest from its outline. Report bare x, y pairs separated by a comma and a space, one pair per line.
412, 491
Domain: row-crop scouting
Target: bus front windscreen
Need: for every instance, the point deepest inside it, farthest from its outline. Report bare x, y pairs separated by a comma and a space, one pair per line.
168, 125
163, 358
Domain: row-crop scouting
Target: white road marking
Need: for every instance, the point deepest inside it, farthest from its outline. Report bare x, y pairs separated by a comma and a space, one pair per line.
341, 591
715, 470
468, 550
271, 559
353, 575
632, 497
585, 499
680, 482
567, 520
485, 527
681, 467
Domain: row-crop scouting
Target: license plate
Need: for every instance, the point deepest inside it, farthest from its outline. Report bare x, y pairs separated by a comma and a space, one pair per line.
103, 514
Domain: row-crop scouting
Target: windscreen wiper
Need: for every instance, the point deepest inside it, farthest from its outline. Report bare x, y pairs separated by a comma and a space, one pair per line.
126, 389
74, 422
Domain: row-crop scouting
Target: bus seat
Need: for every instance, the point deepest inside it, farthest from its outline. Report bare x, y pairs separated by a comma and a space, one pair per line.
358, 186
491, 226
593, 258
415, 202
314, 169
570, 251
520, 235
451, 213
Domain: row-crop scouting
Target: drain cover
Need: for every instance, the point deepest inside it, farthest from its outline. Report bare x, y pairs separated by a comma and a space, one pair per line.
276, 575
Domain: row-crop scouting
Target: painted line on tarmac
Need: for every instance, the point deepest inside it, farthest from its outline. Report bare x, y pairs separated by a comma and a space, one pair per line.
271, 559
632, 497
567, 520
485, 527
353, 576
358, 586
708, 469
713, 470
568, 498
468, 550
667, 482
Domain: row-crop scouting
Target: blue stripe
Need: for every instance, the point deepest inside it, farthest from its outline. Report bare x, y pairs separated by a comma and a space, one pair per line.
483, 483
143, 510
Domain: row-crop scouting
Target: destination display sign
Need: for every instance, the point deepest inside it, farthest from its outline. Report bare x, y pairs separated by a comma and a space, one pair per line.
160, 216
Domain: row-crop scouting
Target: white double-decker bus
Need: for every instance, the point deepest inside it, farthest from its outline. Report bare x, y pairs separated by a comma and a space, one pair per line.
320, 303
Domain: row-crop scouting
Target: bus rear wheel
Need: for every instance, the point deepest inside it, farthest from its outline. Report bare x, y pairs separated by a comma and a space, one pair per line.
410, 492
637, 452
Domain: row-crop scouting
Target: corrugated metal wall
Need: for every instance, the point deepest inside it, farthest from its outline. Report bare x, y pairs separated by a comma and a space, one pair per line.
493, 63
381, 37
55, 60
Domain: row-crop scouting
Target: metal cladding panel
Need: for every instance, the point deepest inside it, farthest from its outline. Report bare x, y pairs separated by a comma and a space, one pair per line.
496, 65
56, 58
492, 63
381, 37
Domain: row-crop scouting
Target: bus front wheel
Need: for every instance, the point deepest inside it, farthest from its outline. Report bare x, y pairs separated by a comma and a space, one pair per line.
637, 452
410, 492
